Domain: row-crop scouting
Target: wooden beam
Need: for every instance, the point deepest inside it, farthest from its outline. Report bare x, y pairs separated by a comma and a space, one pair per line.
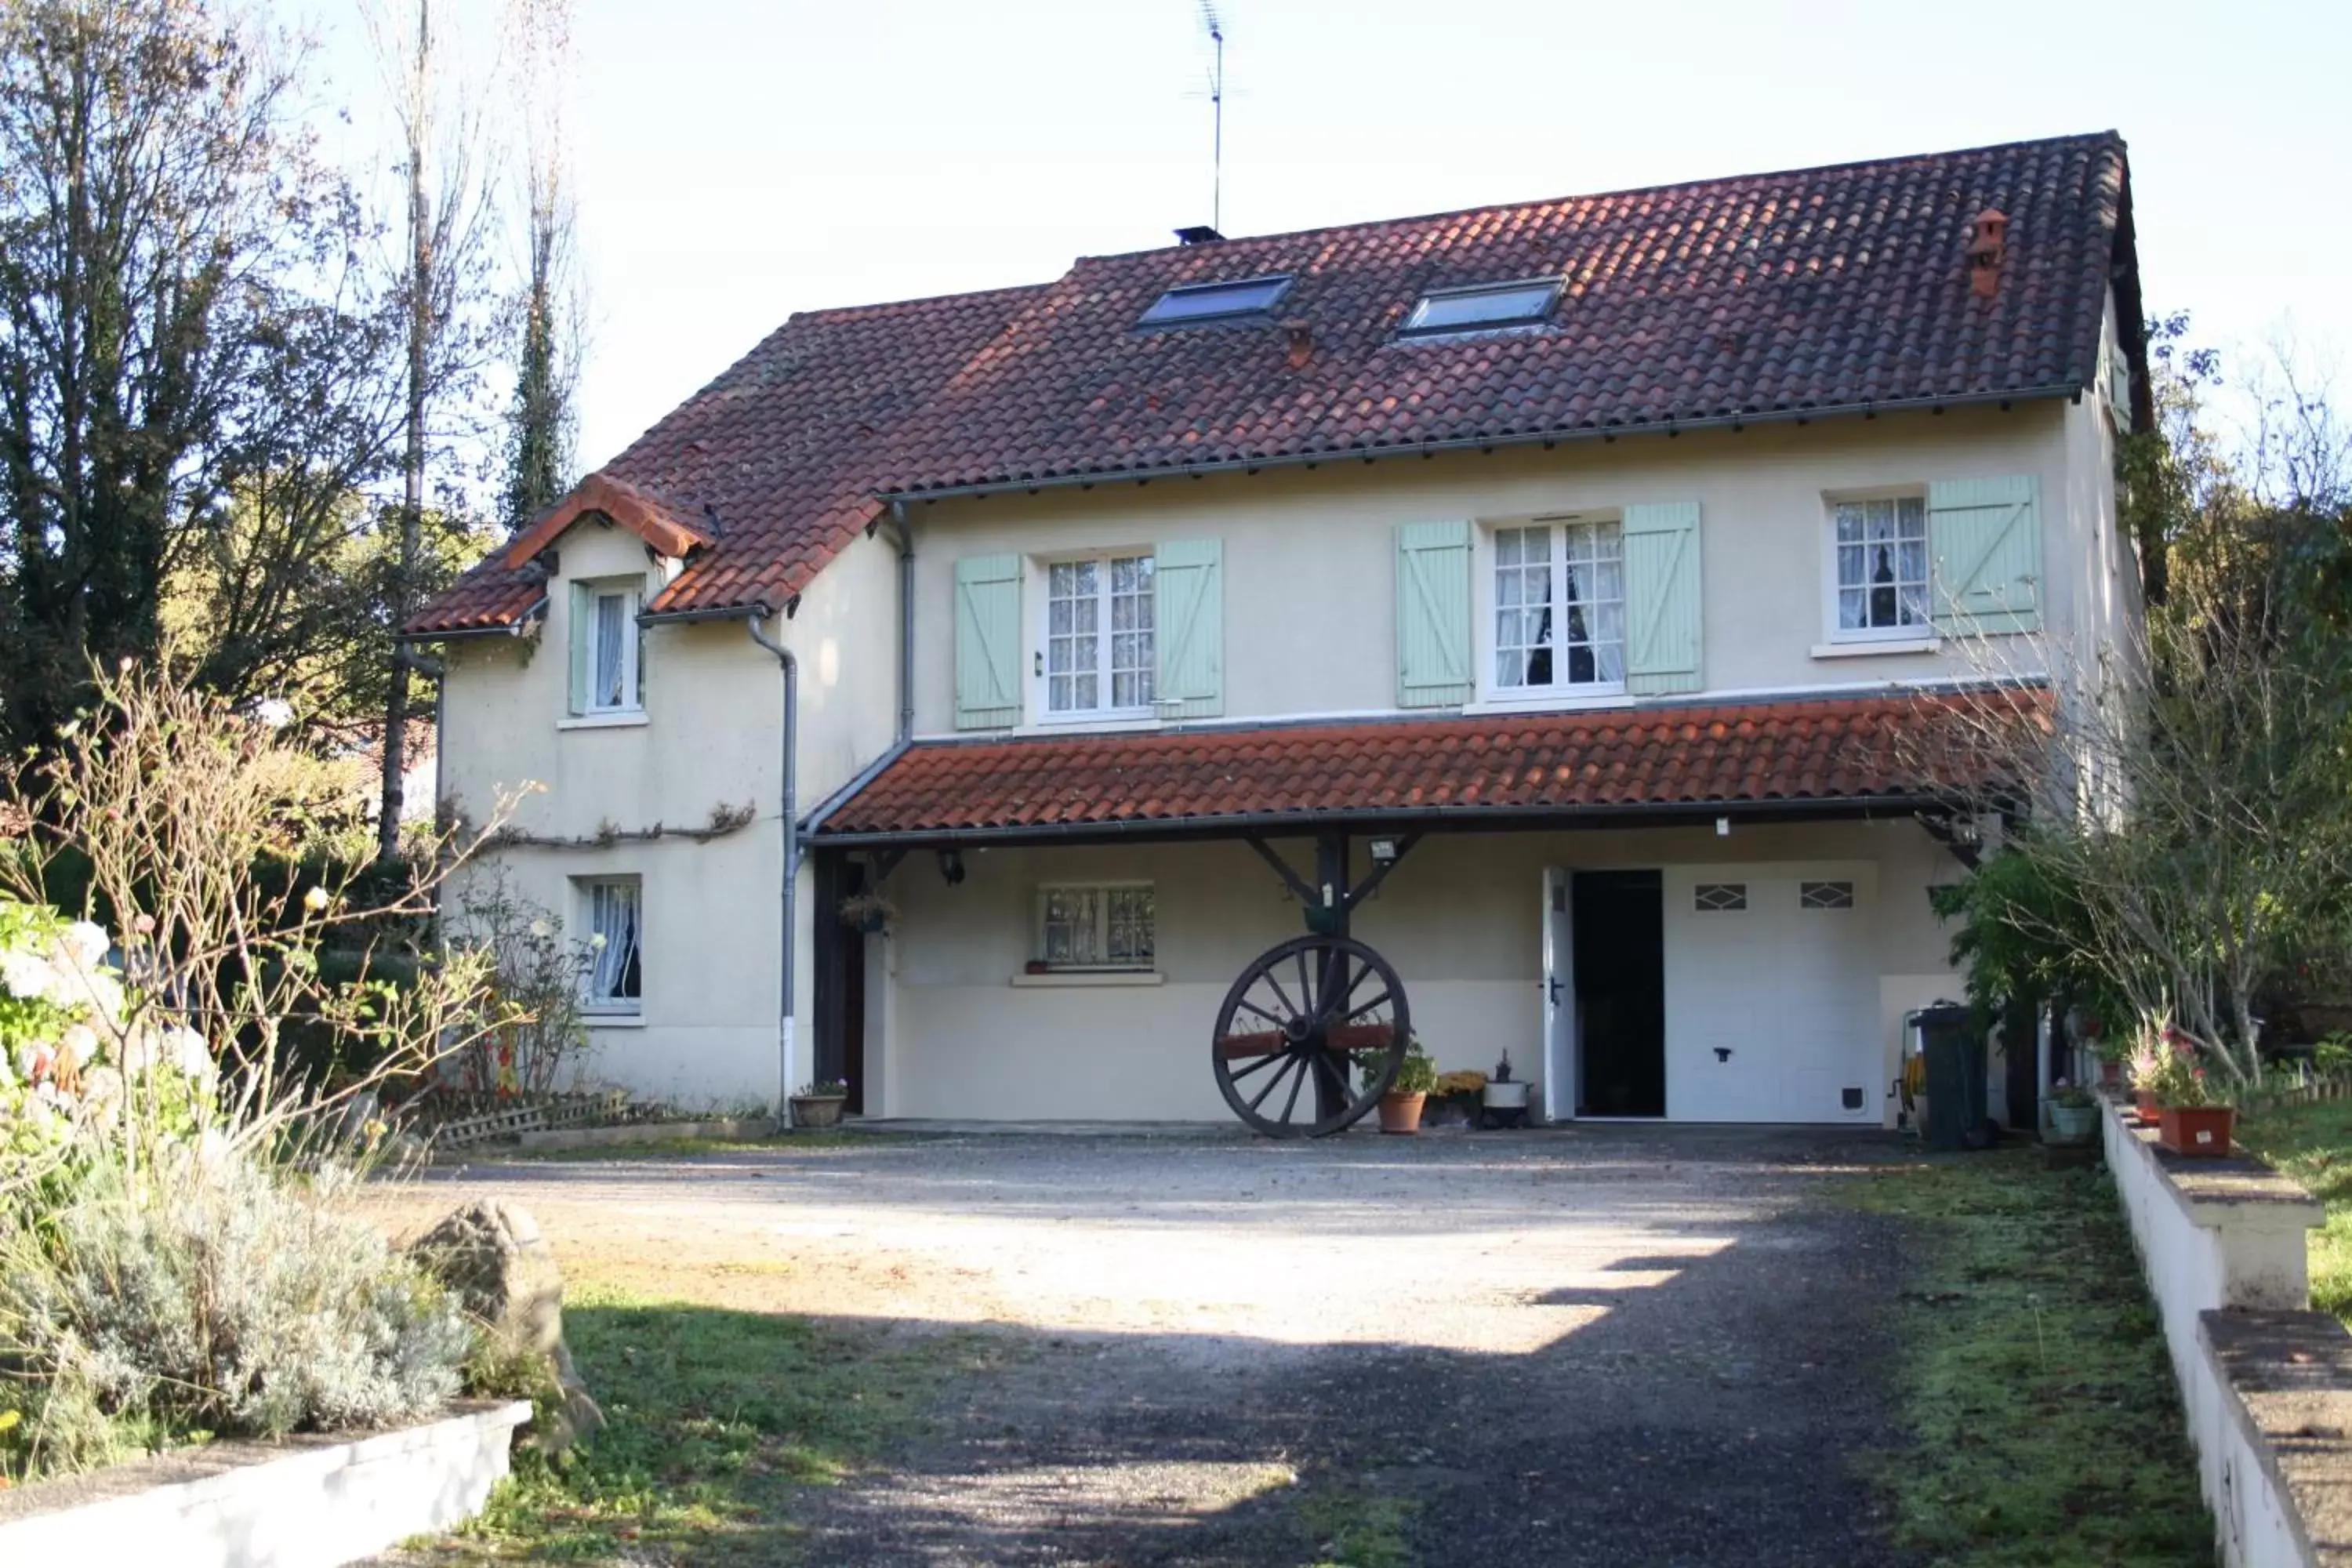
1297, 883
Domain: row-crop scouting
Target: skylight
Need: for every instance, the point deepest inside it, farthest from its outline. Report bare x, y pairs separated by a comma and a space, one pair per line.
1196, 302
1487, 305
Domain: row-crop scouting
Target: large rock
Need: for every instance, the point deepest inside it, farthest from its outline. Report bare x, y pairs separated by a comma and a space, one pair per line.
495, 1259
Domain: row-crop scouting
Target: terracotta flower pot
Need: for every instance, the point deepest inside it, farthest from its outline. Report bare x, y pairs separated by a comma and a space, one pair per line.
2144, 1106
1401, 1113
2199, 1129
2111, 1073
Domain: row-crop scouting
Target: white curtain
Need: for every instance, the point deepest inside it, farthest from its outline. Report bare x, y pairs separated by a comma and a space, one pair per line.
613, 915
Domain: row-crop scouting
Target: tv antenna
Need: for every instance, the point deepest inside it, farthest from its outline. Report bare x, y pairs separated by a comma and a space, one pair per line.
1216, 31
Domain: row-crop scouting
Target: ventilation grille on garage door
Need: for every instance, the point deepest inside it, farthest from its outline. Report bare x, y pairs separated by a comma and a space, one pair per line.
1825, 894
1719, 898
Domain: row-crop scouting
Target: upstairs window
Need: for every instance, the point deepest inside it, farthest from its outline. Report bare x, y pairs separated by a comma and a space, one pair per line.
1483, 307
606, 645
1101, 648
1881, 547
1560, 608
1198, 302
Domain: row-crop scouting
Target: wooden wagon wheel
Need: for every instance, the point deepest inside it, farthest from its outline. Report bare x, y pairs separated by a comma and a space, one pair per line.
1310, 1036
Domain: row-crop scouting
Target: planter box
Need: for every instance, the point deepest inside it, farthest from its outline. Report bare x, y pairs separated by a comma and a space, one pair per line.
818, 1109
306, 1503
2199, 1129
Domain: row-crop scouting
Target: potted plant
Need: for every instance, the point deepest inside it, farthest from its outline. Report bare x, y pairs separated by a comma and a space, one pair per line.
2074, 1113
819, 1104
869, 912
2192, 1118
1401, 1106
2145, 1067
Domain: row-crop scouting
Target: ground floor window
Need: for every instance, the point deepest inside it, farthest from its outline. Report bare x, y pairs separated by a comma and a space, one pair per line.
613, 910
1096, 925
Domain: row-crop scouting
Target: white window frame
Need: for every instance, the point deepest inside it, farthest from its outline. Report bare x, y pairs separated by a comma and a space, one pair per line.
1924, 634
1557, 694
584, 890
1038, 593
631, 591
1102, 932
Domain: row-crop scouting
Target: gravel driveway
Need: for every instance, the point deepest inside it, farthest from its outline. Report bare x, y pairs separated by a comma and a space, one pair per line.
1608, 1345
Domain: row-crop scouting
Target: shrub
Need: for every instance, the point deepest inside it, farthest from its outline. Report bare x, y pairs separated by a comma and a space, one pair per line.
217, 1298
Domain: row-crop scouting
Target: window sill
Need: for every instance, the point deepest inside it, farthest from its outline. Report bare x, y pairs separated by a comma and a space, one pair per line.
634, 721
1866, 648
613, 1020
1062, 979
1553, 701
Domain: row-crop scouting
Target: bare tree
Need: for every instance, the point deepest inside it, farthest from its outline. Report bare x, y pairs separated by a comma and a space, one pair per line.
2188, 809
446, 306
540, 423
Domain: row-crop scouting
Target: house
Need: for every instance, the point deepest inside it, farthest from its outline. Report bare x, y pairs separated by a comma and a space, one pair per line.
1569, 601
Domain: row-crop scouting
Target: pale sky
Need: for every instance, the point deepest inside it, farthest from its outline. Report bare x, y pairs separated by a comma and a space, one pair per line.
739, 159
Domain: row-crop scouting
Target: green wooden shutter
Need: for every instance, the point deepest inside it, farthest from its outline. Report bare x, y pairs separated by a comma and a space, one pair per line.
1664, 610
1985, 538
582, 634
1188, 617
1432, 576
988, 642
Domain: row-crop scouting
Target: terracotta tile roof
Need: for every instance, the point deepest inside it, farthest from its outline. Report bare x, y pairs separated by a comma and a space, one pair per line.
1753, 297
1887, 748
647, 516
772, 462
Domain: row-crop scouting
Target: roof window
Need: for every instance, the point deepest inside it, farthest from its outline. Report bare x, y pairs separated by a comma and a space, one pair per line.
1198, 302
1483, 306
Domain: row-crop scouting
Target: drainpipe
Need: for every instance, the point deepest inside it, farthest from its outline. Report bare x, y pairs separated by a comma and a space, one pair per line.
788, 942
906, 623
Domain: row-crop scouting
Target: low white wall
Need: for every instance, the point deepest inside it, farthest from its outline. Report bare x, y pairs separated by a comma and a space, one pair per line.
320, 1505
2223, 1244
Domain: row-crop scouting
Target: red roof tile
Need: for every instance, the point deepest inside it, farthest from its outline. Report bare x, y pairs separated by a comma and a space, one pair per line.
1888, 748
1754, 297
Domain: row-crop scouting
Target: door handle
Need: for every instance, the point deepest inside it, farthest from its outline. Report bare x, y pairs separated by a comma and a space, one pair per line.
1551, 985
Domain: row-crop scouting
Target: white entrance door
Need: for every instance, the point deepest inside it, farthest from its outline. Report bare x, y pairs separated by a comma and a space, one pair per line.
1772, 993
1561, 1071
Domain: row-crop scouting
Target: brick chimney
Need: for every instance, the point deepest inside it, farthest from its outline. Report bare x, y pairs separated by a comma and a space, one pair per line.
1988, 248
1302, 343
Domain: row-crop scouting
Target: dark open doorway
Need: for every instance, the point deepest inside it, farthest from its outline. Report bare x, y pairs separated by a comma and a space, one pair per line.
1621, 993
840, 980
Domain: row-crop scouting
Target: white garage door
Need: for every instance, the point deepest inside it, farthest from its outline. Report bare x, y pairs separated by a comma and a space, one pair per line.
1772, 993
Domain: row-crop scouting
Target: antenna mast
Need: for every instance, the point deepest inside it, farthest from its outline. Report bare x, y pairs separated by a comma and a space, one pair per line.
1217, 111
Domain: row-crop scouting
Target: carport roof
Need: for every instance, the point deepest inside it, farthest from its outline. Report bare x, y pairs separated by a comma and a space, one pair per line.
1896, 751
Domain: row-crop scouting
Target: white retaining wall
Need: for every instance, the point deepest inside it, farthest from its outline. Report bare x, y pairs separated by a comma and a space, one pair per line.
2222, 1243
320, 1505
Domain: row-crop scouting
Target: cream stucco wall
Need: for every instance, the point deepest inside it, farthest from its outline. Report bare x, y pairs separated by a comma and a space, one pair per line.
1309, 554
1459, 919
1310, 606
710, 738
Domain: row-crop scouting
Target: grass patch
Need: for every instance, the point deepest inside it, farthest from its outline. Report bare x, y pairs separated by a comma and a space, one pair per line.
2312, 1144
717, 1418
1355, 1527
2048, 1430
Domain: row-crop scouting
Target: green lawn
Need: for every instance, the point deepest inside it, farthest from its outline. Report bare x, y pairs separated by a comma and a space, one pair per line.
2047, 1427
716, 1419
2312, 1144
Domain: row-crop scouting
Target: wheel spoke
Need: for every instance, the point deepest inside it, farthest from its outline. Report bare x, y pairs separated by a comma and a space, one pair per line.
1276, 1082
1337, 1075
1366, 1007
1260, 1065
1276, 1020
1292, 1103
1294, 1011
